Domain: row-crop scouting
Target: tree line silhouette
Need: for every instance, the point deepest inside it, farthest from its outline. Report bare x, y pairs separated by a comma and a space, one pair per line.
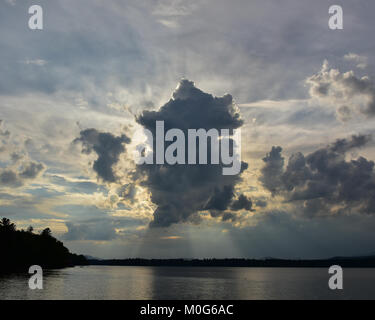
23, 248
348, 262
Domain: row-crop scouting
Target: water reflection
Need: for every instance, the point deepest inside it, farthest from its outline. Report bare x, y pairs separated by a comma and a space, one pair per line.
102, 282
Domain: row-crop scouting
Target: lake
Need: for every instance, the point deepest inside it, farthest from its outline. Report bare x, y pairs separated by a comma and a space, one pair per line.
121, 282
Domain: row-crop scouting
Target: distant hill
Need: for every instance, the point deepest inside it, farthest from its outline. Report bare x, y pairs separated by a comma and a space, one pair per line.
348, 262
366, 257
88, 257
21, 249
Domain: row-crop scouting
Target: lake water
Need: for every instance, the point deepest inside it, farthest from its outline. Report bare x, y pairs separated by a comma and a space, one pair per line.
117, 282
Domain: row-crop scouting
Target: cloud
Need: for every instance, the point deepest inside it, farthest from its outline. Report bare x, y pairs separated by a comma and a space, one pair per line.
31, 170
128, 192
242, 203
345, 90
280, 234
10, 177
138, 59
272, 170
171, 238
220, 199
3, 132
16, 174
103, 231
11, 2
37, 62
356, 58
4, 137
15, 157
181, 191
171, 10
99, 228
323, 182
76, 185
261, 203
108, 148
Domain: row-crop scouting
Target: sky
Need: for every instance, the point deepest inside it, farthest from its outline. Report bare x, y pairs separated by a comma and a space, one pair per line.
73, 95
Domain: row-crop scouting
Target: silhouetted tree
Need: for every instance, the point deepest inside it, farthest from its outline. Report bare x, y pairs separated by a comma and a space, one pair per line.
46, 232
21, 249
5, 224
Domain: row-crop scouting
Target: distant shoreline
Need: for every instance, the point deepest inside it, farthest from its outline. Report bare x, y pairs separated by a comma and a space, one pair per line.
353, 262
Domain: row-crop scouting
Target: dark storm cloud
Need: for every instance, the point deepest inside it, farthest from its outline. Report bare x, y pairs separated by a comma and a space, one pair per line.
229, 216
242, 203
31, 170
12, 178
223, 200
324, 182
220, 199
9, 178
344, 145
272, 170
4, 136
108, 148
181, 191
192, 108
261, 203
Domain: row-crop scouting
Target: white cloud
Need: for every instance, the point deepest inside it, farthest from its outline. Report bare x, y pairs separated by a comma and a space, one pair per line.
361, 61
344, 90
37, 62
11, 2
